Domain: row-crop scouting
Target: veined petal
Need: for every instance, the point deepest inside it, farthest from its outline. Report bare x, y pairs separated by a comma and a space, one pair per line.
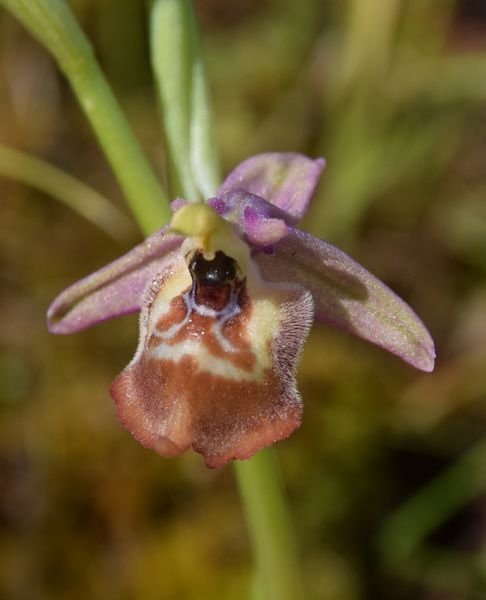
114, 290
350, 298
215, 363
285, 179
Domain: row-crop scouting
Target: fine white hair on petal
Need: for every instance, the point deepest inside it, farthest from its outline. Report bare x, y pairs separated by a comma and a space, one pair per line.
295, 324
151, 291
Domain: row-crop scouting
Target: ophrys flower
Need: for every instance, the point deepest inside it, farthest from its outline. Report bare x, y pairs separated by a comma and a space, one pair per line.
227, 294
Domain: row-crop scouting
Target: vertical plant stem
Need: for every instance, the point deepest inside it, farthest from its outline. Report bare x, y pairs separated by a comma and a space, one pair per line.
179, 73
184, 104
53, 25
170, 49
269, 527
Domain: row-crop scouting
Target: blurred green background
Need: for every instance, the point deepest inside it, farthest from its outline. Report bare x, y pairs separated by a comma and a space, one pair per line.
387, 475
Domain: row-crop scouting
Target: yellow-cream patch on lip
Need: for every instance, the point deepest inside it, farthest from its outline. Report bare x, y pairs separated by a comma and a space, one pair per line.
205, 361
264, 323
174, 285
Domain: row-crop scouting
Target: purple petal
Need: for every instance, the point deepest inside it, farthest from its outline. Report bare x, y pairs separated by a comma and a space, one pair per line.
350, 298
256, 219
114, 290
218, 205
285, 179
261, 231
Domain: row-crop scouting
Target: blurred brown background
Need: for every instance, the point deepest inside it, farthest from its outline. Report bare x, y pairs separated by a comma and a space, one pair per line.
387, 475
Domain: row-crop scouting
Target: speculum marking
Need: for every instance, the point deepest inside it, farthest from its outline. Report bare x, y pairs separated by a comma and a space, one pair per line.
196, 318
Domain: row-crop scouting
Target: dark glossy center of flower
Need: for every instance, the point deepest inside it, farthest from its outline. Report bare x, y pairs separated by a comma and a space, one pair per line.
220, 270
214, 282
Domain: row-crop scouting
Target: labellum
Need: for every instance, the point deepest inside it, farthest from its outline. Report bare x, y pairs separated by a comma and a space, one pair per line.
215, 363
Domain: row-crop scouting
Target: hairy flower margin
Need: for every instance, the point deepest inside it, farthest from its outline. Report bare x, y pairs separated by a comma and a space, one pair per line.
227, 295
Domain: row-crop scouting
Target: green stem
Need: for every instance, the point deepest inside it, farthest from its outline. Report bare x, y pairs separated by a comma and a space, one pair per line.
184, 104
269, 526
67, 189
54, 26
179, 73
204, 156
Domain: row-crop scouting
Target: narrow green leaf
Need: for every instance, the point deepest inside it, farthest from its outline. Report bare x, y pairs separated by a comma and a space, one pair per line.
407, 528
53, 25
67, 189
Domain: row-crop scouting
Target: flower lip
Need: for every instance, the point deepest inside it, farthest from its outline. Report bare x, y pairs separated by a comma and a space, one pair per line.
217, 378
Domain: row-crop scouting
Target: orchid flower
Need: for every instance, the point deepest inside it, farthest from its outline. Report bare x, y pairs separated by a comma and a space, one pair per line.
227, 294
